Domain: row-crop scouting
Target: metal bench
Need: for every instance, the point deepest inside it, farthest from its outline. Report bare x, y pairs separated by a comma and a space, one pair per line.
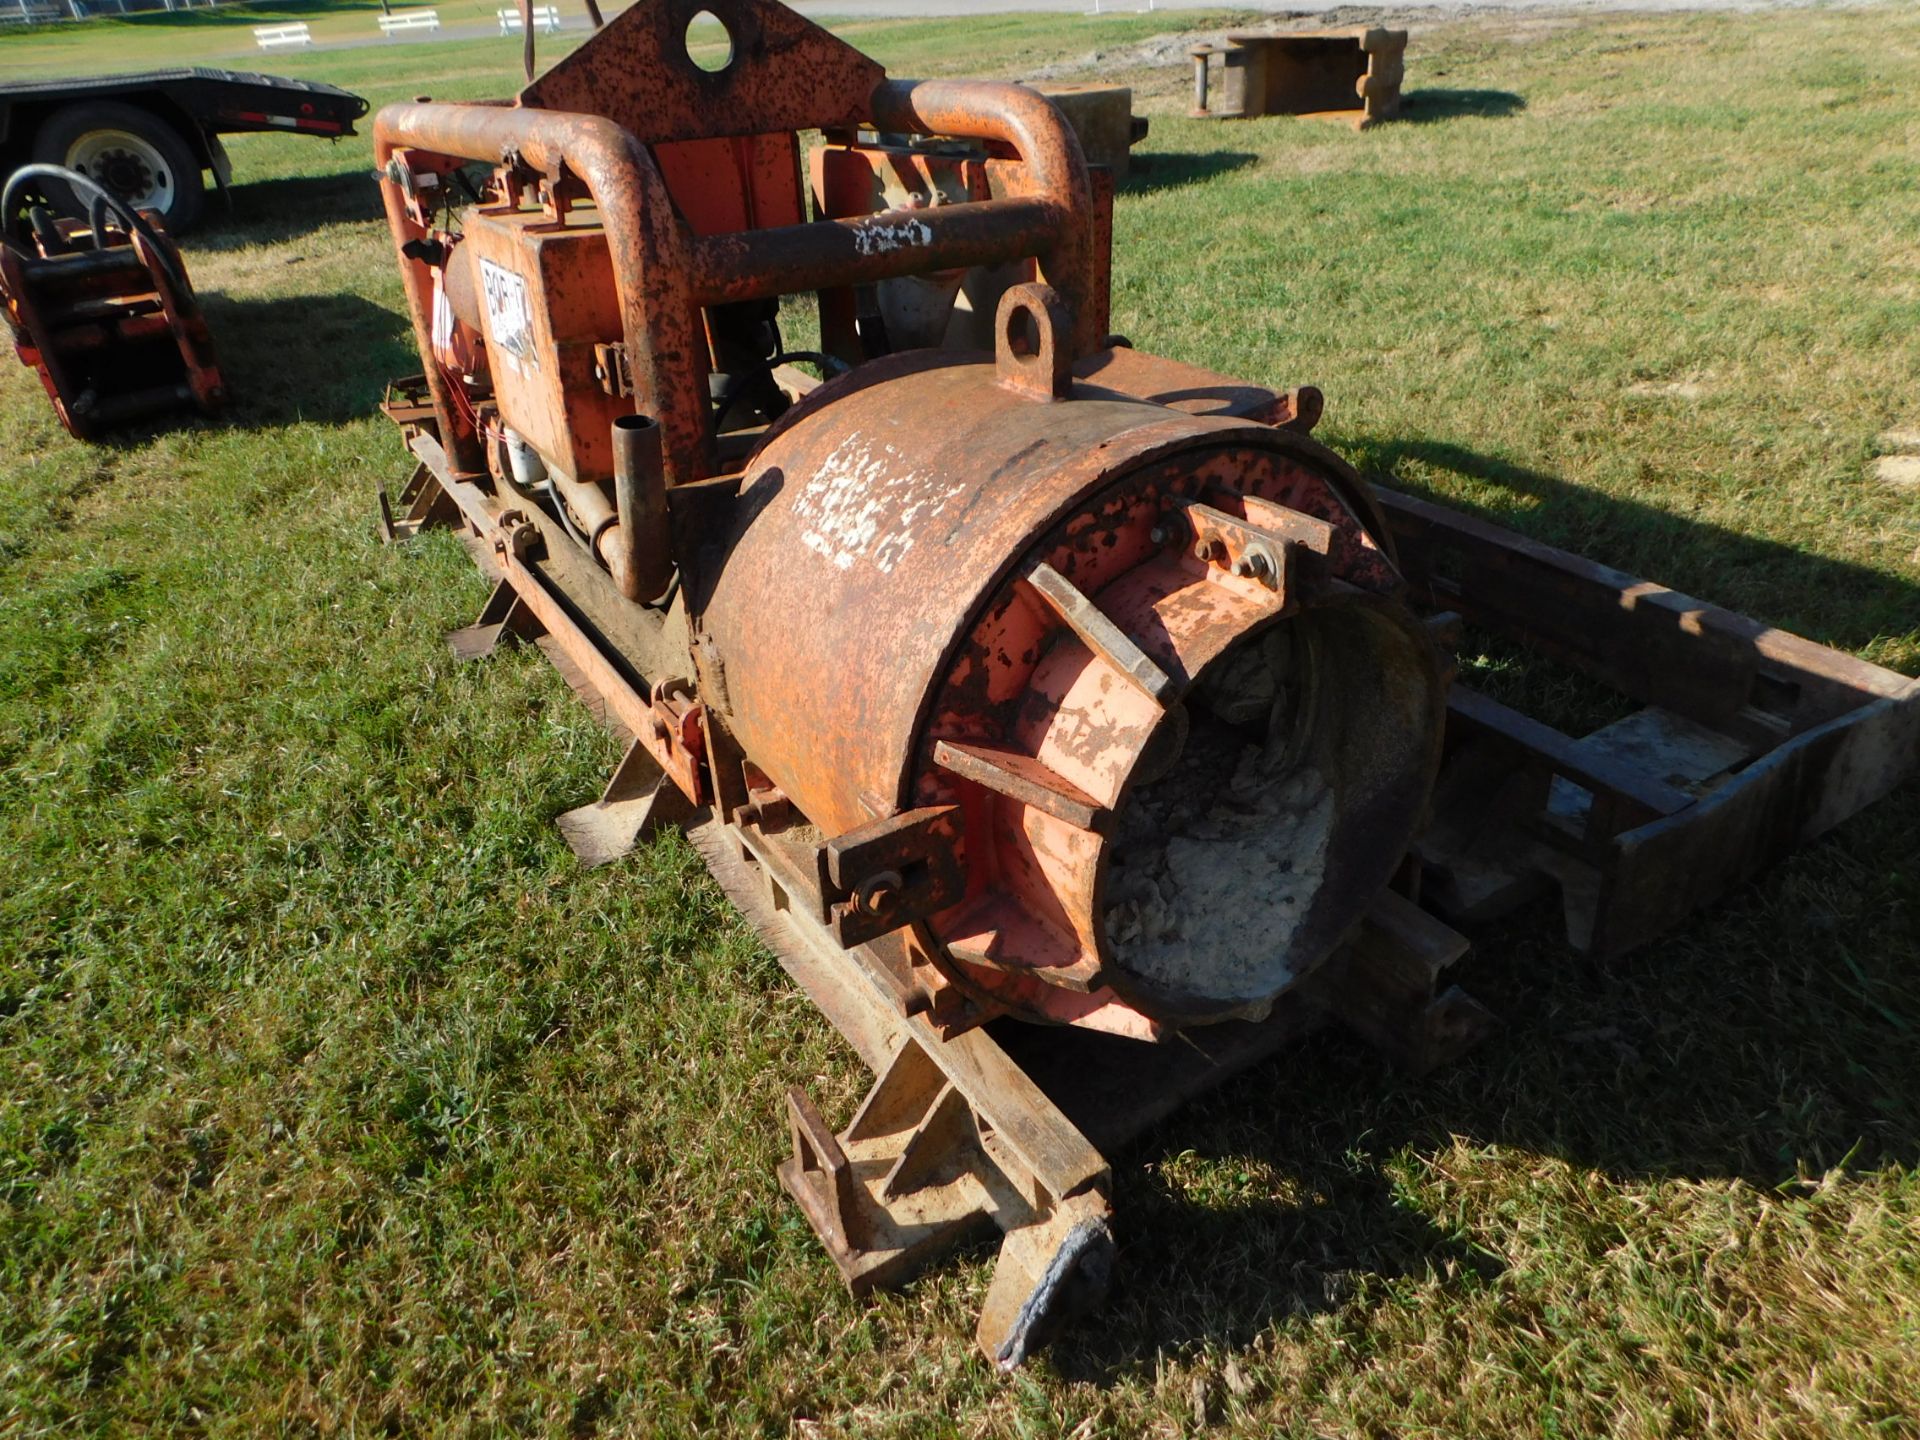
391, 25
546, 17
1350, 74
282, 37
37, 12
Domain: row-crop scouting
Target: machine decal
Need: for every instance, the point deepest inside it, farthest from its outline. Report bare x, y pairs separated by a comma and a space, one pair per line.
509, 313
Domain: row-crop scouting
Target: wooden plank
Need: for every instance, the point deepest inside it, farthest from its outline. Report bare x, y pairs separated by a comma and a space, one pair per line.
1115, 1089
1024, 1120
1666, 869
1655, 644
859, 1012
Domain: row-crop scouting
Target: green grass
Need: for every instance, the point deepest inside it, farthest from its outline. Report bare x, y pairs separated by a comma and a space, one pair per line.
335, 1099
225, 37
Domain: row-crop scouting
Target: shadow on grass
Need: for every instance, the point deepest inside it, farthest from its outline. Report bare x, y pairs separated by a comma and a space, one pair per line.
1766, 1041
265, 212
1830, 601
324, 358
320, 358
1167, 170
1763, 1042
1422, 106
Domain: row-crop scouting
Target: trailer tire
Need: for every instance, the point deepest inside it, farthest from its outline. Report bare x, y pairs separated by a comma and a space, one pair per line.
135, 153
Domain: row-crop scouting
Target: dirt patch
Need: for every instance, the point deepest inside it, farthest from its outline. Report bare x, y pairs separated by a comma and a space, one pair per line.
1216, 862
1693, 387
1901, 471
1172, 49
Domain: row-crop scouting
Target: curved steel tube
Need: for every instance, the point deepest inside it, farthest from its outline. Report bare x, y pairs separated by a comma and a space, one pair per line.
1028, 123
663, 274
646, 242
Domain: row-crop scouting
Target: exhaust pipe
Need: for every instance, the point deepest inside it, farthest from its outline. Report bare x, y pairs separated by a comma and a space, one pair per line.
637, 548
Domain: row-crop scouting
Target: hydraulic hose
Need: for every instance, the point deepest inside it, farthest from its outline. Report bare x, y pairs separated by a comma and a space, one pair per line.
98, 199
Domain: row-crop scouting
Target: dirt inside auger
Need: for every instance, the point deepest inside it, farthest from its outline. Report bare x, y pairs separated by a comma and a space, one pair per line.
1217, 858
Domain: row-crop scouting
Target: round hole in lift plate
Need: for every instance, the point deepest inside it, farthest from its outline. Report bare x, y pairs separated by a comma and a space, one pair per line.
1023, 333
709, 42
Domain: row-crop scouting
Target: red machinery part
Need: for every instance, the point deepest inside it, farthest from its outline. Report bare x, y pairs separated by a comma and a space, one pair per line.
1030, 607
971, 594
106, 316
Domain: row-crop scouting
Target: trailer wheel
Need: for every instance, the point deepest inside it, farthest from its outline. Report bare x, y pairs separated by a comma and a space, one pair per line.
132, 152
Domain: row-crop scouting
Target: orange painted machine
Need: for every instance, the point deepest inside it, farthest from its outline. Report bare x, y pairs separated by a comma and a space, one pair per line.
1005, 673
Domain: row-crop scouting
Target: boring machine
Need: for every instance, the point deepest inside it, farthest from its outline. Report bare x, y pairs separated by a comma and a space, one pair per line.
1075, 728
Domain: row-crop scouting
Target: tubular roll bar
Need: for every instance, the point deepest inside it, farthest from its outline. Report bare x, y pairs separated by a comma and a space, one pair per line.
663, 274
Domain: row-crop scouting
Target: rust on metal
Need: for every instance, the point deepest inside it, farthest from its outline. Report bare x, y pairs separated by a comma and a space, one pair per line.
101, 309
1004, 673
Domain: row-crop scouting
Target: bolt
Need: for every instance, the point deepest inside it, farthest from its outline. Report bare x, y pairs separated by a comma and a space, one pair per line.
1243, 567
1158, 535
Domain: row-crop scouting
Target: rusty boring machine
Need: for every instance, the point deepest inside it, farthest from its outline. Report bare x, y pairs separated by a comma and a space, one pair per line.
1010, 674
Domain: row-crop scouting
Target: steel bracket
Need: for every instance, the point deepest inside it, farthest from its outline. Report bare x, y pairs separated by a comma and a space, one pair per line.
894, 871
610, 368
918, 1171
1387, 987
1268, 544
504, 620
638, 800
426, 506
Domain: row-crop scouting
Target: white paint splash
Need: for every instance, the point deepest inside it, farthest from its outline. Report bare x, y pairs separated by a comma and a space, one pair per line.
865, 503
882, 237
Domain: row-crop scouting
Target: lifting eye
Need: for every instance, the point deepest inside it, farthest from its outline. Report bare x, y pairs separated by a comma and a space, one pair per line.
700, 42
1023, 333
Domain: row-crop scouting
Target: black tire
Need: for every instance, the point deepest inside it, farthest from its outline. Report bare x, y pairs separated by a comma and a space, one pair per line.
150, 158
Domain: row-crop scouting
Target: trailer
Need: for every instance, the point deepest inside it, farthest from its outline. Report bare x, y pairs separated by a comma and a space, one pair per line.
152, 136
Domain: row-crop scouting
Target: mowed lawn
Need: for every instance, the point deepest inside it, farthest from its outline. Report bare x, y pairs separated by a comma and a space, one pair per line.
334, 1098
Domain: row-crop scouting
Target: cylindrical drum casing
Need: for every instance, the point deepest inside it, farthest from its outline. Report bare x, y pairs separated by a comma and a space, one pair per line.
944, 590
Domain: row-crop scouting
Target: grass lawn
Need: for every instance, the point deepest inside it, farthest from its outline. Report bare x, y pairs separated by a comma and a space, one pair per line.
335, 1099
